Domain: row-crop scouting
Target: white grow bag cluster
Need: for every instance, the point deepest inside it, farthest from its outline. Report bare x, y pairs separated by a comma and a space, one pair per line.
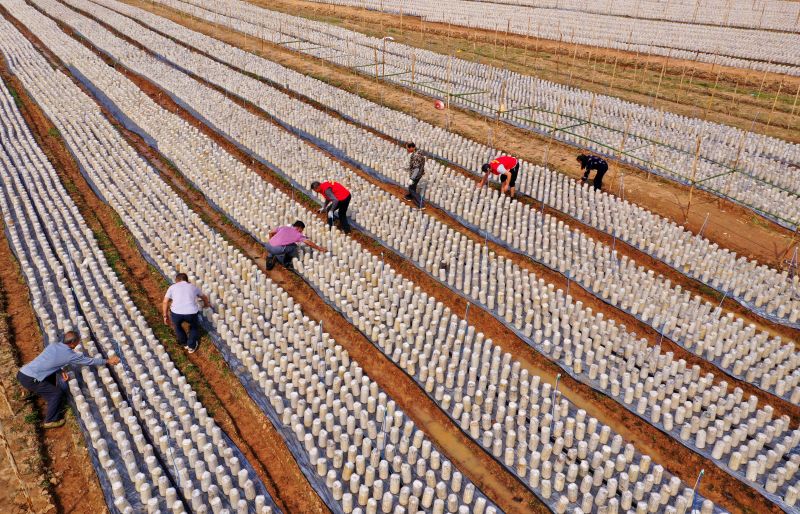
761, 14
697, 325
750, 47
745, 167
633, 482
360, 451
241, 194
762, 289
153, 445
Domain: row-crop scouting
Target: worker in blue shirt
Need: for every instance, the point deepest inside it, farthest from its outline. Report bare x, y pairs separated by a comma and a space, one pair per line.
40, 376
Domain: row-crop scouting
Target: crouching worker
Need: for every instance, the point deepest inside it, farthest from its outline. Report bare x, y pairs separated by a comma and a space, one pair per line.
507, 168
337, 200
589, 163
282, 245
41, 375
183, 297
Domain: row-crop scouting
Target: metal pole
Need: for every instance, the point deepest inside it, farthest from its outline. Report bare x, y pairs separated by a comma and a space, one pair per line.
553, 405
724, 295
700, 234
694, 489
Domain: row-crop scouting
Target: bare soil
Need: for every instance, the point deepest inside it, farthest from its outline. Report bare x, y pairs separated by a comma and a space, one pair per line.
679, 459
728, 225
24, 484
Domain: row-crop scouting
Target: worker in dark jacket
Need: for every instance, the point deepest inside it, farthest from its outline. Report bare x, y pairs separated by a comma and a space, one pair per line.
337, 200
41, 375
507, 168
592, 162
416, 169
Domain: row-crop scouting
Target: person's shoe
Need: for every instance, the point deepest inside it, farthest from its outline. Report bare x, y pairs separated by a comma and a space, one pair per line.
408, 197
270, 262
54, 424
192, 349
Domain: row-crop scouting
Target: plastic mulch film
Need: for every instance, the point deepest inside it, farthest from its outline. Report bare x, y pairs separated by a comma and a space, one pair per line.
572, 409
341, 58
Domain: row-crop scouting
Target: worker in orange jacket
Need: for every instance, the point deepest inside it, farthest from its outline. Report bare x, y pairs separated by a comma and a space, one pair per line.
337, 200
507, 168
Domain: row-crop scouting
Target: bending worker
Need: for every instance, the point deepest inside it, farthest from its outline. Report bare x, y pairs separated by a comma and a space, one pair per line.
337, 200
416, 169
282, 245
41, 375
508, 169
592, 162
183, 296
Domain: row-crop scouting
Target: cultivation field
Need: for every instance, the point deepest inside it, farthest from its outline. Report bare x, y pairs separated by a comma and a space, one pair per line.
566, 350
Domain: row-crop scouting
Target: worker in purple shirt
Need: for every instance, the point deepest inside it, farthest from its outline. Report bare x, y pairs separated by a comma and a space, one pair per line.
40, 376
282, 245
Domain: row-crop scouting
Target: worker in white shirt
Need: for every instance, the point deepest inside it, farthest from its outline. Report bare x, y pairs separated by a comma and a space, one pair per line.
184, 309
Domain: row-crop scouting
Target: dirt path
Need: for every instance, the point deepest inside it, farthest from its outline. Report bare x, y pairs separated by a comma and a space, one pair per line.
728, 225
679, 459
217, 388
28, 487
685, 87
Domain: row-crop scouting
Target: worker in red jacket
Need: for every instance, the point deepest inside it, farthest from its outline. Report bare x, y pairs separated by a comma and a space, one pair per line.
508, 169
337, 199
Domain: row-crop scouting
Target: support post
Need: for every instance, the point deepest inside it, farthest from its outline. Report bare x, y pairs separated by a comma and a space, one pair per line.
774, 103
794, 105
694, 174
